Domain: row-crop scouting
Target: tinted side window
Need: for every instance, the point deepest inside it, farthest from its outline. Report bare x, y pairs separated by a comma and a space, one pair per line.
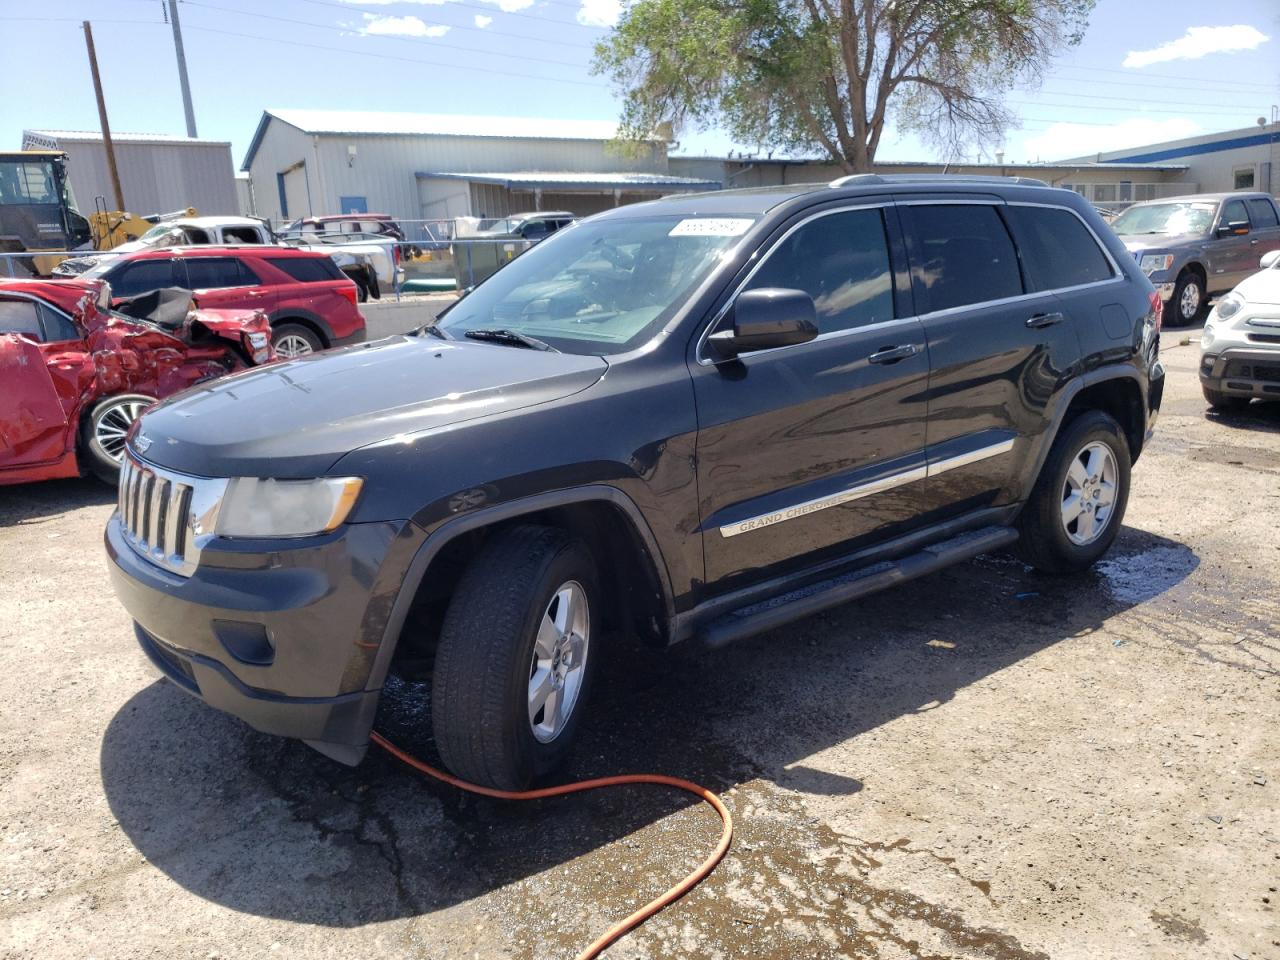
1057, 249
20, 316
1262, 213
57, 327
1234, 212
143, 276
210, 273
962, 255
842, 261
307, 269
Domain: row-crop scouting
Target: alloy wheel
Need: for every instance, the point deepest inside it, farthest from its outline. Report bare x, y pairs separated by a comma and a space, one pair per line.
112, 426
291, 345
1089, 493
559, 661
1189, 303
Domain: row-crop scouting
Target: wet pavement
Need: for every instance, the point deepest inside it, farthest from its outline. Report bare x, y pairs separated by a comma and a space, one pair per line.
985, 763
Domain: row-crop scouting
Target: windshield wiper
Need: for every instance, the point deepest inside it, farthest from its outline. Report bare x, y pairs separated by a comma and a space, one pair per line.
511, 338
433, 330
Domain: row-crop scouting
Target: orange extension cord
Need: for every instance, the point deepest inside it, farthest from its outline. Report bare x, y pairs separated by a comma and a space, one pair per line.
650, 908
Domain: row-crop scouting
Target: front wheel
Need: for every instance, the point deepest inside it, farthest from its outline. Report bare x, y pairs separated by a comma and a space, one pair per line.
1189, 299
515, 658
1076, 508
103, 432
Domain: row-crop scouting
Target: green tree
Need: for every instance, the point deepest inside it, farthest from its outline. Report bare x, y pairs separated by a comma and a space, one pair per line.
805, 75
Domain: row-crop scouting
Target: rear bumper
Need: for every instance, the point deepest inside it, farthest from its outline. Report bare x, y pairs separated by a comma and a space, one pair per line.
1242, 373
283, 636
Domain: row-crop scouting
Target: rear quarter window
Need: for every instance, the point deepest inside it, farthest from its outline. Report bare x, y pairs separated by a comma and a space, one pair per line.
1057, 249
961, 255
307, 269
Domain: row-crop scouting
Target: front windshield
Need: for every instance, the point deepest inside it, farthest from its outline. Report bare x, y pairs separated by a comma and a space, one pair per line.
1171, 218
601, 286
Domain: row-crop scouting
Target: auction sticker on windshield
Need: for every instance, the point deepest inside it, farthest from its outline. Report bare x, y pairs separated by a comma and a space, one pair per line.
711, 227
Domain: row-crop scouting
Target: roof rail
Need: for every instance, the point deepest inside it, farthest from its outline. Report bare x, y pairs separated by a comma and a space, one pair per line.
870, 178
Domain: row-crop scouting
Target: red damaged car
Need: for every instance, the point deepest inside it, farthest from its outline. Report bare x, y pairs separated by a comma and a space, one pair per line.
75, 374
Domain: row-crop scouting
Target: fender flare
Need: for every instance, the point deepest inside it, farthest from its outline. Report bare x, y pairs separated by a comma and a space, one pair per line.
295, 315
1115, 371
451, 529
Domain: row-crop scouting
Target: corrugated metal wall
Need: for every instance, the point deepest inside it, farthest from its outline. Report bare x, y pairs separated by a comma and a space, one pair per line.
155, 177
282, 147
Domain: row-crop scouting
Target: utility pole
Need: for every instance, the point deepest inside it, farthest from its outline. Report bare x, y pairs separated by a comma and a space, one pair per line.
102, 118
182, 69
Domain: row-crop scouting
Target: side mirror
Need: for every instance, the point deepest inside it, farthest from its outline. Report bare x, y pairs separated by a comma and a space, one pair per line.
1269, 260
767, 318
1234, 228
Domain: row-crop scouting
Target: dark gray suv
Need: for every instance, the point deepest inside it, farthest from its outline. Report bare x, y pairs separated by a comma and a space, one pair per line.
700, 417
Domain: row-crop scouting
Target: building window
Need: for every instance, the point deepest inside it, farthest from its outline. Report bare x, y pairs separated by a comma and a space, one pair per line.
1144, 191
1244, 178
1104, 192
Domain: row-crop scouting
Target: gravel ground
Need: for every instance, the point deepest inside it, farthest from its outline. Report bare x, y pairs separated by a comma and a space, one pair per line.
982, 764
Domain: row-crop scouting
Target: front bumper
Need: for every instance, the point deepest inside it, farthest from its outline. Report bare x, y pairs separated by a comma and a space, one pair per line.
282, 635
1238, 372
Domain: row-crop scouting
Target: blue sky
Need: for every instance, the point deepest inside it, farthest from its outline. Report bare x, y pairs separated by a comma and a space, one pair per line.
1146, 71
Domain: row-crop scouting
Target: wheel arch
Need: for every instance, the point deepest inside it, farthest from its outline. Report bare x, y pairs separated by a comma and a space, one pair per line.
600, 514
312, 321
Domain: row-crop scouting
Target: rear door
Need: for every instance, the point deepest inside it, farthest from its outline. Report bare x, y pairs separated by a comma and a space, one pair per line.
998, 352
226, 283
812, 447
1265, 226
33, 423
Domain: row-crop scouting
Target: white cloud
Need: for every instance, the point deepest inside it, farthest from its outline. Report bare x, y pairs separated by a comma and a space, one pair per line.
387, 3
1199, 42
1064, 140
482, 21
599, 13
380, 26
510, 6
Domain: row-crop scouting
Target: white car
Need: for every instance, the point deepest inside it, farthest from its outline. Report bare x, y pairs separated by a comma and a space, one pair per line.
1240, 346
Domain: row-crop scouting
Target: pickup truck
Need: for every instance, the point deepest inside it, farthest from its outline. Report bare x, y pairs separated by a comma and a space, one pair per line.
372, 262
1199, 246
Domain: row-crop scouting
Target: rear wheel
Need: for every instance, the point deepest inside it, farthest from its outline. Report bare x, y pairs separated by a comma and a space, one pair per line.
1221, 401
1075, 511
103, 431
515, 658
294, 340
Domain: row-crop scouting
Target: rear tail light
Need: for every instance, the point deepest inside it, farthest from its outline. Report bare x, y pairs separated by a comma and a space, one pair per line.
349, 291
1157, 309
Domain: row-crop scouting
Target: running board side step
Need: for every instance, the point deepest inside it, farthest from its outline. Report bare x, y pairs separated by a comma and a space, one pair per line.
776, 611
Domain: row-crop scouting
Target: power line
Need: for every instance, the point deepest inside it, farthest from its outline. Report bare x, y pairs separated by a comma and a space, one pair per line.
1168, 76
483, 8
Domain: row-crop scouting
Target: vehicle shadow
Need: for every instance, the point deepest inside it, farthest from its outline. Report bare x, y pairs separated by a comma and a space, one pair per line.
1262, 415
36, 502
268, 827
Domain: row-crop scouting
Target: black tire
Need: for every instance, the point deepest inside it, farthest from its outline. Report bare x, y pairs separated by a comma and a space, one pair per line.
480, 684
1222, 401
1175, 315
371, 279
1044, 541
282, 332
122, 409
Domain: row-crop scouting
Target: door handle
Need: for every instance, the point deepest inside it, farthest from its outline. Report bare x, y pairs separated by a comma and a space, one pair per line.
893, 354
1036, 321
1253, 242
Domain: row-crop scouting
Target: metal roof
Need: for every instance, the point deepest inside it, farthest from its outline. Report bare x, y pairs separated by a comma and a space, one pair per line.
93, 136
534, 179
1011, 168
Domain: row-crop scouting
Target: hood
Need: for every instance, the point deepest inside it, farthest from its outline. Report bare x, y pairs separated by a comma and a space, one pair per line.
297, 419
1261, 287
1140, 243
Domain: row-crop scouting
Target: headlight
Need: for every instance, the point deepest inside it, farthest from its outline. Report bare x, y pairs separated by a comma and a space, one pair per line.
253, 507
1154, 262
1228, 306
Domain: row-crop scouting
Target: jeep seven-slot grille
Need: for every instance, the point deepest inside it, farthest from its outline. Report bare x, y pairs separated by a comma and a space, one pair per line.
162, 513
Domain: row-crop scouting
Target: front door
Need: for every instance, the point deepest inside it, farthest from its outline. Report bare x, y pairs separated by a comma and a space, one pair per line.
33, 423
1234, 255
226, 283
814, 447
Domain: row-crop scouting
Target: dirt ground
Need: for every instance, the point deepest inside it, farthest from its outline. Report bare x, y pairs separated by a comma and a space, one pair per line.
982, 764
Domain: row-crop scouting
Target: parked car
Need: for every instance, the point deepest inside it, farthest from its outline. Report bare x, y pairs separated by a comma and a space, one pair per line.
1199, 246
701, 417
527, 226
74, 375
366, 224
1240, 345
310, 302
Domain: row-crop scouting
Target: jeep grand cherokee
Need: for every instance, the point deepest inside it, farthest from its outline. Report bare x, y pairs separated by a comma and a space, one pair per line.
699, 417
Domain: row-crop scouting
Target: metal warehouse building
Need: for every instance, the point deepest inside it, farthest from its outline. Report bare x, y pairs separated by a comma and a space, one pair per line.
433, 167
158, 173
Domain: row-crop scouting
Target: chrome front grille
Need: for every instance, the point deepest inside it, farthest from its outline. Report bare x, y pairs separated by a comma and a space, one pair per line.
167, 517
